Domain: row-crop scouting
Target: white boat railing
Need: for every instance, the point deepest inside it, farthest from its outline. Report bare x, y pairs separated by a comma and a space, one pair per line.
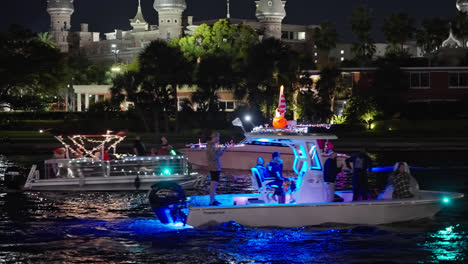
128, 166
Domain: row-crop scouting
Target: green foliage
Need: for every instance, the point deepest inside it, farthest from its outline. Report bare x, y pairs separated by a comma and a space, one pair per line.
339, 119
214, 73
27, 65
389, 86
310, 108
223, 39
361, 109
361, 26
398, 28
431, 34
47, 39
270, 64
104, 106
325, 36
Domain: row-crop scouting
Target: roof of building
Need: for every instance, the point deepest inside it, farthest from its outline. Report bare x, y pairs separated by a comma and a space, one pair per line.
139, 16
68, 4
270, 8
169, 4
462, 5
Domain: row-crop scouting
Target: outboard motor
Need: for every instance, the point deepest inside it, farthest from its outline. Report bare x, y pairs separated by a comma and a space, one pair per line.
168, 201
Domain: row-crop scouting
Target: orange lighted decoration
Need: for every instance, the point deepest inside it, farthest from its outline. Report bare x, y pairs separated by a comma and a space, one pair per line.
279, 121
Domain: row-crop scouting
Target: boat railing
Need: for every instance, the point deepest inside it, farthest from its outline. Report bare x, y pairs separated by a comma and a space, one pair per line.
128, 166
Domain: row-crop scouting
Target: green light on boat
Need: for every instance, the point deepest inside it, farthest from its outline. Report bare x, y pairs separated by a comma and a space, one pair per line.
446, 200
167, 171
173, 152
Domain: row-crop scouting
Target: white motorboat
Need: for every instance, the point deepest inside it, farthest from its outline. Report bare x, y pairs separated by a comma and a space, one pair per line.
306, 206
243, 156
120, 173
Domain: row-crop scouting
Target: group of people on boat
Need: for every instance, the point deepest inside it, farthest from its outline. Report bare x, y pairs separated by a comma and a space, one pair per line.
400, 184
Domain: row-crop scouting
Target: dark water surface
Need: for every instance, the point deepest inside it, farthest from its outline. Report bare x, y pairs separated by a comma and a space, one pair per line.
119, 227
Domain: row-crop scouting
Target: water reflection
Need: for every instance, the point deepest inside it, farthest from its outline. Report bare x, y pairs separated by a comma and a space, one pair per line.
448, 244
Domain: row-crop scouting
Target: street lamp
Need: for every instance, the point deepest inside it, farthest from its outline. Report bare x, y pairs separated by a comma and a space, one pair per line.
115, 51
248, 118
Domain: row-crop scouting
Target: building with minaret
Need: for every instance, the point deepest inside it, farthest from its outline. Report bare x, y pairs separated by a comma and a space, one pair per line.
271, 13
138, 23
462, 6
60, 12
170, 17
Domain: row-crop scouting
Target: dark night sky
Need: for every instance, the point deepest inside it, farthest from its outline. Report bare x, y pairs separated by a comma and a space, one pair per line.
106, 15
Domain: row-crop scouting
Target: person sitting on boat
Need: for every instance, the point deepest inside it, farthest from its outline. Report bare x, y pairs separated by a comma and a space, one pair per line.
330, 170
275, 169
401, 184
59, 153
165, 147
262, 170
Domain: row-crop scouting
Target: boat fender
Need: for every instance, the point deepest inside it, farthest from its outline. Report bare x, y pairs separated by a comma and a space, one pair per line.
137, 182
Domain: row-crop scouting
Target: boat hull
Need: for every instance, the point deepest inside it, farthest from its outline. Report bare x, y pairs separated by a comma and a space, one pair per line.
297, 215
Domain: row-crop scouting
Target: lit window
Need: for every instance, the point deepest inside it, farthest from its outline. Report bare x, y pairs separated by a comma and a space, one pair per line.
301, 35
315, 61
315, 54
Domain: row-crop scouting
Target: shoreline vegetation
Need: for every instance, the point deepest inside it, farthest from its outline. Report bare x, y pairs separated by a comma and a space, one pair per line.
386, 136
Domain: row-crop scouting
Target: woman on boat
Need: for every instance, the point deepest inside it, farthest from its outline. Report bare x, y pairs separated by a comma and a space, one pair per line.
401, 184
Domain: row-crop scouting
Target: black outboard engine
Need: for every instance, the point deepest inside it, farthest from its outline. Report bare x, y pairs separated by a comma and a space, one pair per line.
168, 201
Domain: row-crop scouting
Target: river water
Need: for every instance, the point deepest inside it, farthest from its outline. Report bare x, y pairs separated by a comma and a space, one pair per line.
119, 227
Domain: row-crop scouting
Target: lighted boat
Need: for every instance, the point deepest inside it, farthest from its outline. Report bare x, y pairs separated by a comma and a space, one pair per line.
306, 206
243, 156
113, 172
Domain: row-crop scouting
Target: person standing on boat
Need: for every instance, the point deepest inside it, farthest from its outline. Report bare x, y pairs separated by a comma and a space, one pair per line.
213, 154
138, 147
275, 168
330, 170
361, 167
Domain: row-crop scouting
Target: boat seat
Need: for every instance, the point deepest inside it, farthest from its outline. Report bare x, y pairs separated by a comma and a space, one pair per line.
260, 185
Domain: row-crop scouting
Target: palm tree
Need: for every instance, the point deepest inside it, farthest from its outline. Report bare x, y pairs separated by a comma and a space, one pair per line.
361, 25
325, 37
47, 39
164, 69
432, 33
270, 63
214, 73
127, 86
398, 28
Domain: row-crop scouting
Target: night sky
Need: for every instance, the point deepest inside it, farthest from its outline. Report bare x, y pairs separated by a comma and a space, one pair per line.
106, 15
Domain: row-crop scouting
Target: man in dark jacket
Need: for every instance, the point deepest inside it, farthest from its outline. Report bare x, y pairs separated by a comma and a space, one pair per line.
275, 168
330, 170
361, 167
